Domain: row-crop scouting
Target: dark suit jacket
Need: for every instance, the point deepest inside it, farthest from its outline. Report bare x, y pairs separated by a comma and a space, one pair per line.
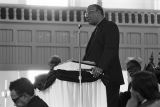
36, 102
103, 49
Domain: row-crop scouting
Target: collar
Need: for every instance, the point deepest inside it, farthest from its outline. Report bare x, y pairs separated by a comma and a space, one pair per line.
145, 100
100, 22
30, 99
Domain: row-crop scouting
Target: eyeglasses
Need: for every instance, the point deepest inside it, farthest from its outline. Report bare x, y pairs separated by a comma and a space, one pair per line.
89, 12
16, 99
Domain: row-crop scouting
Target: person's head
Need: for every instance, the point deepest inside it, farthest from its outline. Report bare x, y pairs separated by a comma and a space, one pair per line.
40, 81
133, 66
145, 85
94, 14
21, 91
54, 61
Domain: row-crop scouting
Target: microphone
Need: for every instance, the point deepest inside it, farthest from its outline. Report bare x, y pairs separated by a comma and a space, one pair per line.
79, 26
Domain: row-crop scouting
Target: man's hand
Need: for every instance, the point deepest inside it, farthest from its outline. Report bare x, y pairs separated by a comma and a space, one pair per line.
96, 72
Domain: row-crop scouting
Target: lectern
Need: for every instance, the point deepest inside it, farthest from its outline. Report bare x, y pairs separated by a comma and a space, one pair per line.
65, 91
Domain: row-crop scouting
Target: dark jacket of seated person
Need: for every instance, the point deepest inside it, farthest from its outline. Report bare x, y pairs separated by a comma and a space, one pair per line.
36, 102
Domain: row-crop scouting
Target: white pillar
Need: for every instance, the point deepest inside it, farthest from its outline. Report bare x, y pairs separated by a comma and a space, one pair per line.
21, 1
99, 2
156, 4
71, 3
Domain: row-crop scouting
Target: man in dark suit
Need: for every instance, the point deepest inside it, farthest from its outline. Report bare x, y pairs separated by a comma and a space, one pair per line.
103, 49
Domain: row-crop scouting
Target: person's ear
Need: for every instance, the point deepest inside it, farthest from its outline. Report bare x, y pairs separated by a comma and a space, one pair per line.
138, 96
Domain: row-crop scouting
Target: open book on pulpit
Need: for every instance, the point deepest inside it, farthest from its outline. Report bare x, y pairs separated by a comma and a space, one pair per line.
72, 65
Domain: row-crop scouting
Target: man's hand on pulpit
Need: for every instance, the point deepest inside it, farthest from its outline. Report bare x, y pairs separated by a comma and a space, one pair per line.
96, 72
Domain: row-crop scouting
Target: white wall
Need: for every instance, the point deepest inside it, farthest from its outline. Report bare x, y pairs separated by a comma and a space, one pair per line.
129, 4
13, 1
126, 4
84, 3
157, 5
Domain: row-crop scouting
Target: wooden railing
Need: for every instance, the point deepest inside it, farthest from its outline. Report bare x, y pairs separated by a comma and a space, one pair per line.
19, 13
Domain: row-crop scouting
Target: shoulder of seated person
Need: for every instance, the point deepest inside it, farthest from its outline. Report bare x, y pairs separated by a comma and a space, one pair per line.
155, 104
126, 93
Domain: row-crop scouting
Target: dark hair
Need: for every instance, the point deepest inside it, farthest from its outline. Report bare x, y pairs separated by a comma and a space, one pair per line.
146, 84
99, 8
21, 86
133, 66
135, 63
55, 60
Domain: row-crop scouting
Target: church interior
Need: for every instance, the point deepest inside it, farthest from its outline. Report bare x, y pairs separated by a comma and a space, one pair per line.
31, 31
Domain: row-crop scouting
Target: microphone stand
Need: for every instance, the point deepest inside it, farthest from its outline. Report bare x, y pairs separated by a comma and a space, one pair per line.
80, 70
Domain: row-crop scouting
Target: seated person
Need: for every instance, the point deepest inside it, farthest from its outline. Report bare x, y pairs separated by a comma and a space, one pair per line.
144, 90
40, 81
22, 94
132, 66
43, 81
54, 61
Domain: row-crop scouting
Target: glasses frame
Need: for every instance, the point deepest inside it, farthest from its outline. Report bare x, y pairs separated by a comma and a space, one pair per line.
16, 99
91, 11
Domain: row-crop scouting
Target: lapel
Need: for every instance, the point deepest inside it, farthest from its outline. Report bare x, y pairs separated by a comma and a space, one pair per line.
93, 36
